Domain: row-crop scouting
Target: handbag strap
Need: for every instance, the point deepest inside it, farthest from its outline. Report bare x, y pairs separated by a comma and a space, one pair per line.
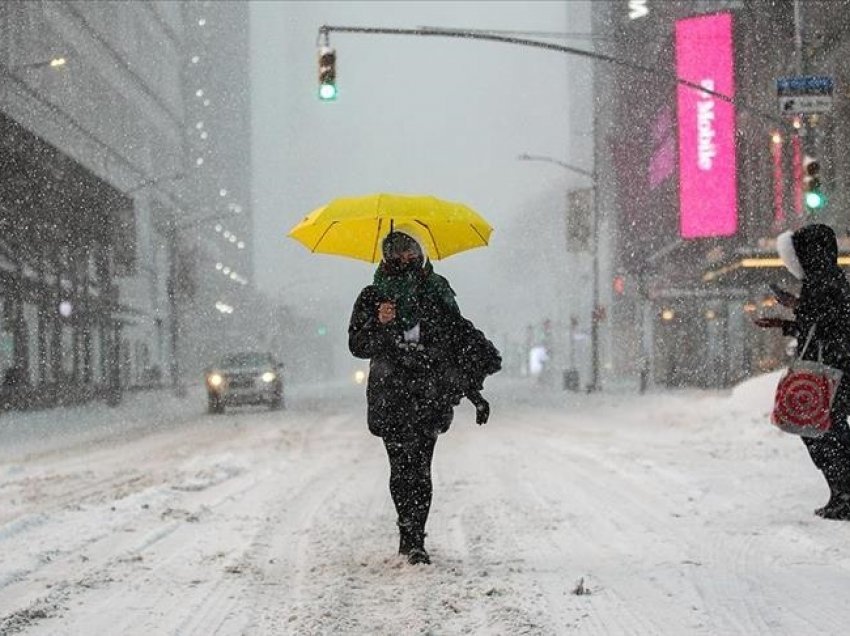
806, 346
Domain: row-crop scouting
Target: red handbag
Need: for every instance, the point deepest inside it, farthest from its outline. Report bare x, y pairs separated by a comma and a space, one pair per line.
805, 394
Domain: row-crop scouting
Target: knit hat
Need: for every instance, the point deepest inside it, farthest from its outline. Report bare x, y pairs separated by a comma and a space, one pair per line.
397, 242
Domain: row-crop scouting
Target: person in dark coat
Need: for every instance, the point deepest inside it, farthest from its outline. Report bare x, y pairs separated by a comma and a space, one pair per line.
811, 254
424, 358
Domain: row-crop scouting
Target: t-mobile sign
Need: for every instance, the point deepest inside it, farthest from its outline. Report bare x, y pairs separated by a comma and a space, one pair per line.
708, 201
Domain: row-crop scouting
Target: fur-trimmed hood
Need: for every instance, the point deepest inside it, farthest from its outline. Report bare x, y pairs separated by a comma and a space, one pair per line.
810, 252
785, 247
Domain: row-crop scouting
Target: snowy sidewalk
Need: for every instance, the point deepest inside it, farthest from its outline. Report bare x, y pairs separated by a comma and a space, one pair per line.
26, 432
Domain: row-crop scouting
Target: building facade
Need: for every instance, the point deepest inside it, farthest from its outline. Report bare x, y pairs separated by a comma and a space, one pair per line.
697, 187
92, 122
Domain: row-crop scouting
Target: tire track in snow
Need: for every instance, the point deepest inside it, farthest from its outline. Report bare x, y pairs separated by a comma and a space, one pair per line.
307, 540
733, 551
602, 511
109, 548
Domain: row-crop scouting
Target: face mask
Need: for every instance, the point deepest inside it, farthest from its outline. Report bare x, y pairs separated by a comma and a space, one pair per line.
396, 267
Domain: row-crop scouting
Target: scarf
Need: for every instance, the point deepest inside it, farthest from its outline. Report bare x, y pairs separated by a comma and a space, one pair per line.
406, 290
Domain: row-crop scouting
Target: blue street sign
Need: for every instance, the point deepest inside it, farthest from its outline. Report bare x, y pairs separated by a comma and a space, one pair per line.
804, 85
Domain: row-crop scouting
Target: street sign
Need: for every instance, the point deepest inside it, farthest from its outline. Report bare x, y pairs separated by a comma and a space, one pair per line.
793, 105
805, 94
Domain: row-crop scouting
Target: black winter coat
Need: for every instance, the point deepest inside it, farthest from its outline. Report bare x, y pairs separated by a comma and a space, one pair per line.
413, 388
824, 304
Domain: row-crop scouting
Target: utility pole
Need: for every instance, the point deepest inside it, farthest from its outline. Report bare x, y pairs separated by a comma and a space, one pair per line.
596, 315
173, 288
798, 37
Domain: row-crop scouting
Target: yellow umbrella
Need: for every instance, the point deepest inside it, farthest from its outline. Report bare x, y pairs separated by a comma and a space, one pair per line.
355, 226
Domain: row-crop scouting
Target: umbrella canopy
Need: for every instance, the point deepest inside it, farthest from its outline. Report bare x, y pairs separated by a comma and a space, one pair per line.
355, 226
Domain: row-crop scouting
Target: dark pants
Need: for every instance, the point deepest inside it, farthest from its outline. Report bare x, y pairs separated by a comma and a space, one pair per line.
410, 478
831, 454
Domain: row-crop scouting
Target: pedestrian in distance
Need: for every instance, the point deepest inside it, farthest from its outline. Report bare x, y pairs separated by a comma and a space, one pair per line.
424, 358
811, 255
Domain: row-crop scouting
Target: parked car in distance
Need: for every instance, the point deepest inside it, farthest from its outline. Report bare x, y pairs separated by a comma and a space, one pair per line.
245, 377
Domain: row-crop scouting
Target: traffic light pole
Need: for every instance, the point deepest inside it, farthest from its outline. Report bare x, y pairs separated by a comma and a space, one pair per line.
489, 36
813, 196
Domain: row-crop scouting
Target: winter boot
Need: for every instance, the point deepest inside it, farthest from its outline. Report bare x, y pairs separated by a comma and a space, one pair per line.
412, 543
839, 499
418, 555
406, 537
832, 503
840, 509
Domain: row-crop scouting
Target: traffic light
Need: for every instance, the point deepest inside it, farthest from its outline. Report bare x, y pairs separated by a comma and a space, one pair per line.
812, 191
327, 74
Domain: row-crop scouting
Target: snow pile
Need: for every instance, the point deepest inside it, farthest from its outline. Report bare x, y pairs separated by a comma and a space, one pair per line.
755, 395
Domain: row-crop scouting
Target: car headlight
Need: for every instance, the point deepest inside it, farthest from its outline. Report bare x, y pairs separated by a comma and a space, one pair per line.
268, 376
359, 376
215, 380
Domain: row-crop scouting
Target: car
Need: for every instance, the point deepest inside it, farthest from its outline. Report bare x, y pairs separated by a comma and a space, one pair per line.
246, 377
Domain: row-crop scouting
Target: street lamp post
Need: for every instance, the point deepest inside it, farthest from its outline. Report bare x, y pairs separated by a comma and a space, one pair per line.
176, 290
171, 283
174, 287
595, 316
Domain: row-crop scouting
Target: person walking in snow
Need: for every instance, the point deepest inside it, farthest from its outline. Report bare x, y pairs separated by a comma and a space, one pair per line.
811, 255
424, 358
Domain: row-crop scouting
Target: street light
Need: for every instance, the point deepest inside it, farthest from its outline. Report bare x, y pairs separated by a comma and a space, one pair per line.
595, 312
171, 283
175, 290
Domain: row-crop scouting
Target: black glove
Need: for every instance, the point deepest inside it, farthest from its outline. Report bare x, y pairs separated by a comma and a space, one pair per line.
482, 412
482, 407
783, 297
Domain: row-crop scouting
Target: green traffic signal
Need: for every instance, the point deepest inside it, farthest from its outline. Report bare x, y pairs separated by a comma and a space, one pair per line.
327, 92
815, 200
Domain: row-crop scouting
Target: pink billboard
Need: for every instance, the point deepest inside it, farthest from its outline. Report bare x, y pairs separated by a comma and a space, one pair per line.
708, 200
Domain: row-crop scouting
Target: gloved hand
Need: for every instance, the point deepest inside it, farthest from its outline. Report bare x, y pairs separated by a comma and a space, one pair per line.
772, 323
482, 407
482, 412
783, 297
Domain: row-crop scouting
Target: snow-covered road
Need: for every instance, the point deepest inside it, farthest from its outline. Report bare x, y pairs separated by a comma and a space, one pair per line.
675, 514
